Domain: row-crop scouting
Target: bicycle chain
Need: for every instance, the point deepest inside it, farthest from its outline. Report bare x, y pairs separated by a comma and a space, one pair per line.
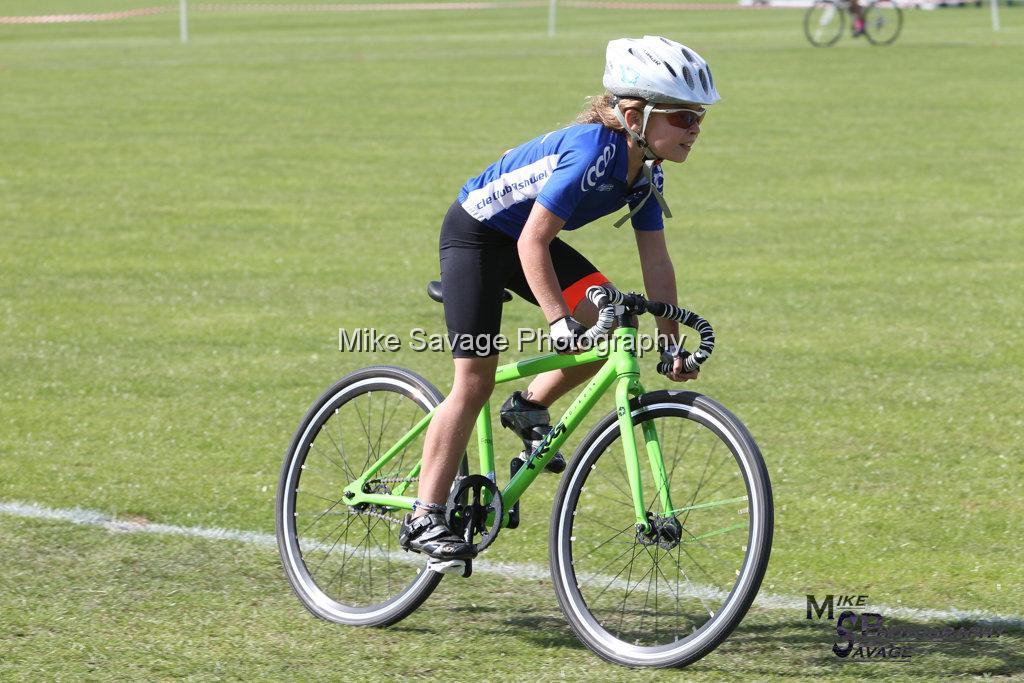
403, 480
387, 480
371, 513
381, 515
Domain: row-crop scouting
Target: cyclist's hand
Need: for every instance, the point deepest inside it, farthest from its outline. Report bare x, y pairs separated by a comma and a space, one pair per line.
676, 355
565, 334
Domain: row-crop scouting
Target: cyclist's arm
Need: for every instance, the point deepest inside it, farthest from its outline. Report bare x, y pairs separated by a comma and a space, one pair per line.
535, 255
659, 276
660, 283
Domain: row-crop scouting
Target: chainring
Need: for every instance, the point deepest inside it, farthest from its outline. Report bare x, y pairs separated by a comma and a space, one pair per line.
472, 502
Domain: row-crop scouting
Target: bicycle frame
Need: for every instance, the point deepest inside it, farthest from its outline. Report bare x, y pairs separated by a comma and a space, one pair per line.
621, 368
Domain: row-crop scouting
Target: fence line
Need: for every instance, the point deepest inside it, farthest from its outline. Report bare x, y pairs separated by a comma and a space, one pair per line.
75, 18
391, 7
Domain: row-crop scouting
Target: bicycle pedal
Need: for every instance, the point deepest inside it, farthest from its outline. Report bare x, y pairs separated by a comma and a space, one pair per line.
447, 566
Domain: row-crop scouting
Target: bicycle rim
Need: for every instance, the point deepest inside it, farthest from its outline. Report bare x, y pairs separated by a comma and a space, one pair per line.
344, 562
640, 603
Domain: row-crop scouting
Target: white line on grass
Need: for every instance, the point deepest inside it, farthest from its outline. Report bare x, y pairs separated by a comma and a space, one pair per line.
508, 570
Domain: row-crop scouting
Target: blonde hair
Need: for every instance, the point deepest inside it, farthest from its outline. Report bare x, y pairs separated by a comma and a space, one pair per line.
601, 109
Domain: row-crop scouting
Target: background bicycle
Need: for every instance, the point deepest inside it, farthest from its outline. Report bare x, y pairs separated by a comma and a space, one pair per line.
825, 20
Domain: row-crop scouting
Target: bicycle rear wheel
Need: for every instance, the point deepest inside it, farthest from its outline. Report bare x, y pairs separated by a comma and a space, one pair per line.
344, 562
824, 22
883, 21
670, 598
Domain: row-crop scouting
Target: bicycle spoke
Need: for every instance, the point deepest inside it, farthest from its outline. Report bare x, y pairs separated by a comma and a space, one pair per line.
629, 575
366, 433
346, 524
658, 562
711, 504
318, 518
647, 597
604, 543
703, 477
383, 425
679, 454
629, 591
693, 588
398, 461
627, 498
329, 500
344, 462
717, 532
597, 574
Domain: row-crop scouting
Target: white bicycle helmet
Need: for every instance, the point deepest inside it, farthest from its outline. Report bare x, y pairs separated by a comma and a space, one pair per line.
660, 71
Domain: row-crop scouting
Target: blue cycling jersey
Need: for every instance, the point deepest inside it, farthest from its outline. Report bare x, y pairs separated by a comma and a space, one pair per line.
578, 173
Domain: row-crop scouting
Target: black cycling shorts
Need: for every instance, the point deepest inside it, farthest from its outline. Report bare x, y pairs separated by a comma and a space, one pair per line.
478, 263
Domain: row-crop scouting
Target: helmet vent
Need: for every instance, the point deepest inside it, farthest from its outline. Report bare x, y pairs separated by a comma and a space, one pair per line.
671, 70
688, 55
688, 76
703, 80
711, 79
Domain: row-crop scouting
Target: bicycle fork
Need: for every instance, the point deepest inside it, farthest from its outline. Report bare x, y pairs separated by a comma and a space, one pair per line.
629, 386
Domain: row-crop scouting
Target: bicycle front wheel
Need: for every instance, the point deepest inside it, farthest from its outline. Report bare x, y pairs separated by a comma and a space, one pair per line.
344, 562
669, 598
824, 22
883, 21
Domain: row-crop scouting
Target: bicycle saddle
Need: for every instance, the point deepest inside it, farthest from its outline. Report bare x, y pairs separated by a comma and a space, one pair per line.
434, 292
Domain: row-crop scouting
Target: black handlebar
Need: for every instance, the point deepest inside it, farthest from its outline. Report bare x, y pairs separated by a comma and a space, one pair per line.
608, 299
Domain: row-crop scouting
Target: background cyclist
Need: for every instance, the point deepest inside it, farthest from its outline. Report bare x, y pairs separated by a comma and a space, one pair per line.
857, 12
502, 233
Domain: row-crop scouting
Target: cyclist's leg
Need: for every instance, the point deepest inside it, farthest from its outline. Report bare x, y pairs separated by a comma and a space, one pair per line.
475, 264
575, 274
449, 431
858, 17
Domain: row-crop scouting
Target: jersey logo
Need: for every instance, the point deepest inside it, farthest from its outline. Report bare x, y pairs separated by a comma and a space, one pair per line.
606, 187
598, 168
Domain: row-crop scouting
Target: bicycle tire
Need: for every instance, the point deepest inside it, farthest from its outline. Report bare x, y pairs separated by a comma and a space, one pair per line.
593, 502
824, 22
883, 22
317, 579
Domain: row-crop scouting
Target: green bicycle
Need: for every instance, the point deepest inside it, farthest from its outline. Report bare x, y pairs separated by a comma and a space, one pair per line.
662, 523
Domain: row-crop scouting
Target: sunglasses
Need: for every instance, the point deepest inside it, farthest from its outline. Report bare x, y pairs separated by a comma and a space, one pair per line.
682, 118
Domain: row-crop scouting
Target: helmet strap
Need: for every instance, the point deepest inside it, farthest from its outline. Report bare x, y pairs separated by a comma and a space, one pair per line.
638, 138
652, 190
650, 160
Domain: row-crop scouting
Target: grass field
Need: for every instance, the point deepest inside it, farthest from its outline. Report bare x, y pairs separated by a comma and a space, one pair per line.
185, 227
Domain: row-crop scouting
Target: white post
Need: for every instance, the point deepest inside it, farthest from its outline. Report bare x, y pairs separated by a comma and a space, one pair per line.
551, 18
995, 14
183, 16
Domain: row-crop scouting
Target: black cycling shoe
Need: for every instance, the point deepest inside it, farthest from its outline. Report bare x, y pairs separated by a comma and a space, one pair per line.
430, 535
530, 421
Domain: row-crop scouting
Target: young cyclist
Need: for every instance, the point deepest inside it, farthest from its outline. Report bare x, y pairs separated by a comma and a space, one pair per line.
502, 232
